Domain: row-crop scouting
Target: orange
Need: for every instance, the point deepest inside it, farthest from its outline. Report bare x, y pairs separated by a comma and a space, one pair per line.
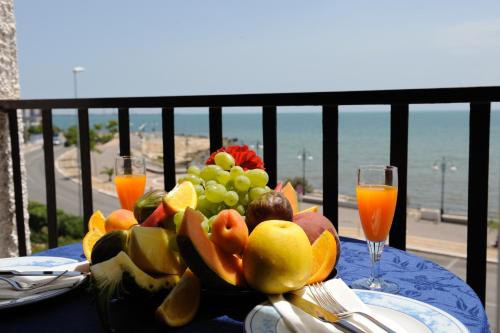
182, 303
182, 196
324, 256
89, 241
120, 219
97, 221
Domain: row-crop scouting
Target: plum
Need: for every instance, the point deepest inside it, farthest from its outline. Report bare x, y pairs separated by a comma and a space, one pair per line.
269, 206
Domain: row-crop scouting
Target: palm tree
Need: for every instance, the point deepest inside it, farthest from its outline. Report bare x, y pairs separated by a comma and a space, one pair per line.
109, 172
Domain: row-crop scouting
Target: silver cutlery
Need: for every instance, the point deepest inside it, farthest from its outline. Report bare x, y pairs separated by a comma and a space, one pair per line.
23, 286
41, 273
325, 298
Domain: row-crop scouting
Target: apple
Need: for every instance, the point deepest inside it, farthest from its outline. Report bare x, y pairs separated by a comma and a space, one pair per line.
278, 257
314, 224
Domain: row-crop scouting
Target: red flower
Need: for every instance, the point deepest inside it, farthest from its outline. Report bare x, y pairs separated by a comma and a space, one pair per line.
244, 157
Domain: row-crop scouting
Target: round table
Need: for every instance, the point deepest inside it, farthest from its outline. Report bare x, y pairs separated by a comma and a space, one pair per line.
418, 279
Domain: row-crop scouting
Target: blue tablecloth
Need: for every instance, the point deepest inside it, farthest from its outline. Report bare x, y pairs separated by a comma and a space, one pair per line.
418, 278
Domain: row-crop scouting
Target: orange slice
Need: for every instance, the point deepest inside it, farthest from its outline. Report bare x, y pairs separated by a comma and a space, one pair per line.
89, 241
97, 222
182, 303
182, 196
324, 257
312, 209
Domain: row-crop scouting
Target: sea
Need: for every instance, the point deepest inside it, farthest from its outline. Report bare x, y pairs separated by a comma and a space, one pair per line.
434, 135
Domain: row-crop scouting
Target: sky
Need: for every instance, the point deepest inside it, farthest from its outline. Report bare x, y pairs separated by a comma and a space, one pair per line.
185, 47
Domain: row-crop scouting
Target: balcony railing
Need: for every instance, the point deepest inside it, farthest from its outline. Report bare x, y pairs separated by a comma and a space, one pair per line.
479, 98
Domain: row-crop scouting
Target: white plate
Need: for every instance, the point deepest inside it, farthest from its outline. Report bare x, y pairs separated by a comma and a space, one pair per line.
36, 263
415, 316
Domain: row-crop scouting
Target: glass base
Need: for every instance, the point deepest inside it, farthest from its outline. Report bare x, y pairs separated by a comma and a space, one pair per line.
376, 285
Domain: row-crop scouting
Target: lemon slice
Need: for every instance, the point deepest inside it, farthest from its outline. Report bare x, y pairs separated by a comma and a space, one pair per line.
181, 305
182, 196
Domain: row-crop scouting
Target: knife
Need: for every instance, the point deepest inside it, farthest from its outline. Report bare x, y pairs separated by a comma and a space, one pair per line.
42, 273
320, 313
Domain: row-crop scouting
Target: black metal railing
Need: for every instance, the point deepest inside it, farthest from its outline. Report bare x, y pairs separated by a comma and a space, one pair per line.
479, 98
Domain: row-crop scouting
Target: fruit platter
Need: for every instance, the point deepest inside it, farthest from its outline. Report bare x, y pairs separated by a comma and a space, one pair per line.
220, 230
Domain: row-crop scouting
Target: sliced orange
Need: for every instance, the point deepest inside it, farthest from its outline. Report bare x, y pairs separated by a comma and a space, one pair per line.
312, 209
324, 257
182, 196
89, 241
97, 222
182, 303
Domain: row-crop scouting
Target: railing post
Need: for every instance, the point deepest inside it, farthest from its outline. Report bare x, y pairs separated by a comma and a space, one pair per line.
269, 136
330, 116
18, 187
399, 158
50, 182
477, 212
124, 131
168, 135
215, 127
83, 126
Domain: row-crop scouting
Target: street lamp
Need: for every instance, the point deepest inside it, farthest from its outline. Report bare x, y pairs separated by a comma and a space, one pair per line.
76, 70
443, 167
304, 155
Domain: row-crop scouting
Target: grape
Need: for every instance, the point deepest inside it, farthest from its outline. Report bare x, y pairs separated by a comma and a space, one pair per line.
258, 177
236, 171
181, 179
210, 182
199, 190
224, 160
211, 221
240, 209
244, 199
210, 172
223, 177
195, 180
202, 203
178, 220
231, 198
215, 193
230, 186
267, 188
194, 170
242, 183
205, 225
256, 192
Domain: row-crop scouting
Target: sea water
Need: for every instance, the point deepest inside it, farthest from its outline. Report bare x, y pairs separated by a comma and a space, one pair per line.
363, 139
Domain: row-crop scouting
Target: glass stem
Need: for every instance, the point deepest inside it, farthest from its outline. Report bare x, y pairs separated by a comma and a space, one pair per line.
375, 249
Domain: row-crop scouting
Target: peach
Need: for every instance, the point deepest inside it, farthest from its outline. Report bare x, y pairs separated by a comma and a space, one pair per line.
120, 219
230, 232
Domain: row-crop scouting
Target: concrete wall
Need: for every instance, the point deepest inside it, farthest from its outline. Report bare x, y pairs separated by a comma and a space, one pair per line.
9, 89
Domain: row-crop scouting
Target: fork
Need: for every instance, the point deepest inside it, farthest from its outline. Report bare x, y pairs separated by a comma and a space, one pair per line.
323, 296
21, 286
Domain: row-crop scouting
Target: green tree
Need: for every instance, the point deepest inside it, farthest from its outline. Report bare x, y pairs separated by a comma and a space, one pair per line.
112, 126
71, 135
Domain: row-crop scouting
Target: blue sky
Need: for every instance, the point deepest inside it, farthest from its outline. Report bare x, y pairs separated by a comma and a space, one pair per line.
150, 48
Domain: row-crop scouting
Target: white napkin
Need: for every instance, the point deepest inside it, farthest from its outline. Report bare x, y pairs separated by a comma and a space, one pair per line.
300, 322
8, 292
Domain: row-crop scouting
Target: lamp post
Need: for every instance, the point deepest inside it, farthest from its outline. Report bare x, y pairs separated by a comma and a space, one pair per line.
304, 155
443, 167
76, 70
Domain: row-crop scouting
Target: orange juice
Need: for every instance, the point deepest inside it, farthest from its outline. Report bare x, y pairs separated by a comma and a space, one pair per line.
129, 189
376, 205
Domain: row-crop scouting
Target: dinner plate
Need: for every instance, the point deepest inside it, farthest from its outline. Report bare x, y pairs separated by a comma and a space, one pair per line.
413, 315
37, 263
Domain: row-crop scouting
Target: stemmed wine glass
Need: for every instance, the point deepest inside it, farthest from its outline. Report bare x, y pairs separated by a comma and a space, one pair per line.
376, 192
130, 179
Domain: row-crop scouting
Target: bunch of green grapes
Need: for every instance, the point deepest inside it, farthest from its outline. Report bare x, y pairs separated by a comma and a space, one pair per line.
225, 185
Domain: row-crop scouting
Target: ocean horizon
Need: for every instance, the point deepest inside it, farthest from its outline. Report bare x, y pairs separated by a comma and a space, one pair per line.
363, 139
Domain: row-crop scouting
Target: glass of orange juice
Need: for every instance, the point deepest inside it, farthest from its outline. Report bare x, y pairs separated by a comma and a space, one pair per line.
130, 179
376, 192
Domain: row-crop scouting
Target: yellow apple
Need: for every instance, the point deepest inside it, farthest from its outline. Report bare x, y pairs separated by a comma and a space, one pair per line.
278, 257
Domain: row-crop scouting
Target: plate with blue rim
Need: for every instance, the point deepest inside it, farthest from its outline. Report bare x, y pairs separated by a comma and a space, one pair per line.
415, 316
37, 263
